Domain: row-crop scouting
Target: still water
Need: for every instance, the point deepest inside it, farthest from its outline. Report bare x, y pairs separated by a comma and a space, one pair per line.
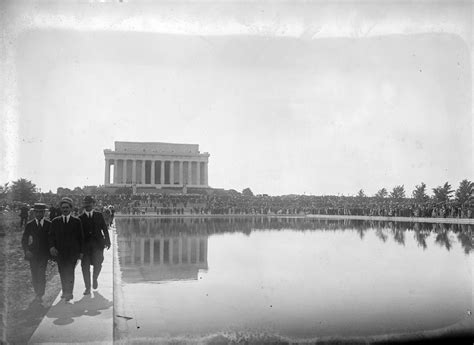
291, 278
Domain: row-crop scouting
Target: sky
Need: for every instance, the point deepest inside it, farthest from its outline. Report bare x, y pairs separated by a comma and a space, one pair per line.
289, 98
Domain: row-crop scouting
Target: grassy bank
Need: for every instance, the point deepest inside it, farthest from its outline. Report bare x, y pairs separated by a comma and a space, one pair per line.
20, 316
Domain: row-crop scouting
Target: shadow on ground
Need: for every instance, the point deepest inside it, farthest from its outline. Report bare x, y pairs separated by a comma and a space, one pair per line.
89, 305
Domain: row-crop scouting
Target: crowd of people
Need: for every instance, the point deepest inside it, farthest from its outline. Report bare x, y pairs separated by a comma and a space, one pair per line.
53, 209
237, 204
179, 204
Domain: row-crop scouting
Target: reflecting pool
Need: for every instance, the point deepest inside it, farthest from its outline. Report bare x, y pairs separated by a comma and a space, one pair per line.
184, 278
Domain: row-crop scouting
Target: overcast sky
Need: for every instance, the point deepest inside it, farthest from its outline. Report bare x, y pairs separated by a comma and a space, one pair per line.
289, 98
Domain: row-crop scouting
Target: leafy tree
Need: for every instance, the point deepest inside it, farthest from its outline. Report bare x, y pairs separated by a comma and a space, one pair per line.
398, 192
382, 193
23, 190
443, 193
361, 194
4, 190
90, 190
77, 191
63, 191
233, 193
419, 193
464, 191
247, 192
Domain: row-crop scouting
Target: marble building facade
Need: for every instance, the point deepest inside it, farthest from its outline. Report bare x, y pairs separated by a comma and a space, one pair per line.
156, 165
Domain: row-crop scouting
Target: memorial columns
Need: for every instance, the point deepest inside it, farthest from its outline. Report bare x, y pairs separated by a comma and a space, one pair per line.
124, 171
172, 172
107, 172
205, 182
190, 172
198, 173
152, 172
134, 171
115, 171
181, 182
162, 175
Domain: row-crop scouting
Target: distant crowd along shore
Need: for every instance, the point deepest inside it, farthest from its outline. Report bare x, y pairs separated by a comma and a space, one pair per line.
237, 204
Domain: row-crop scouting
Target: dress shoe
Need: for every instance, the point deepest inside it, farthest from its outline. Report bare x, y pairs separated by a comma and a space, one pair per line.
87, 291
95, 284
68, 297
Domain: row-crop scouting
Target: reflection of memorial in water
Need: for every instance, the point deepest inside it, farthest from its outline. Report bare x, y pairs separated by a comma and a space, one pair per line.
152, 254
161, 249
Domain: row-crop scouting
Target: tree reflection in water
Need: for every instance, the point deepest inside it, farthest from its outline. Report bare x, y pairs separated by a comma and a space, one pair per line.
465, 238
361, 233
421, 235
399, 236
381, 233
444, 234
442, 238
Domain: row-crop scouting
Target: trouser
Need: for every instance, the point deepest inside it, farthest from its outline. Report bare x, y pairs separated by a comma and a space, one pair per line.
66, 272
93, 256
38, 274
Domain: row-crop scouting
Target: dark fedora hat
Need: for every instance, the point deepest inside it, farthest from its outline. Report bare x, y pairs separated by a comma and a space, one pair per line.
88, 200
39, 206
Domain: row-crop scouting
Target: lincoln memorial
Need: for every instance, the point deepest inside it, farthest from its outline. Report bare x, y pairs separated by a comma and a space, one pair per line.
156, 165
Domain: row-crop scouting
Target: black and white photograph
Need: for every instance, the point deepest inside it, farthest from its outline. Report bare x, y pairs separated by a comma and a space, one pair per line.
236, 172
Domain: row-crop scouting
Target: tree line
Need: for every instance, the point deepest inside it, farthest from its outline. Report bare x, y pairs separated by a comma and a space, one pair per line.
23, 190
441, 194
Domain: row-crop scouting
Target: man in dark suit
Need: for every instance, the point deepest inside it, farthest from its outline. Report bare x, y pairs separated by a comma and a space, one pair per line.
24, 214
96, 237
66, 243
54, 212
35, 246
